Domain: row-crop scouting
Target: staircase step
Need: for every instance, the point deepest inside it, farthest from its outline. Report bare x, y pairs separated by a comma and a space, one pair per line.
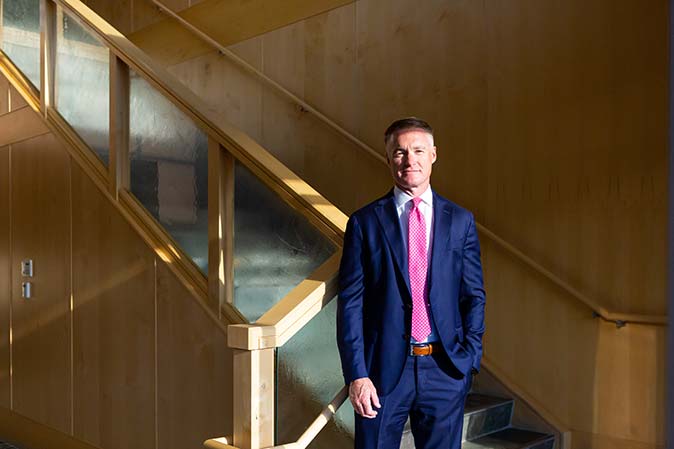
482, 415
485, 414
4, 445
512, 439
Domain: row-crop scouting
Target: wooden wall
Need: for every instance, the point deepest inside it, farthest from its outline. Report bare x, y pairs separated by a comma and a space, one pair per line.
132, 15
111, 349
551, 122
556, 114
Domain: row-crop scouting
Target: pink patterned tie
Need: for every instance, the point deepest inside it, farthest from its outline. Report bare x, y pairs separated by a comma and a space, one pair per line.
418, 266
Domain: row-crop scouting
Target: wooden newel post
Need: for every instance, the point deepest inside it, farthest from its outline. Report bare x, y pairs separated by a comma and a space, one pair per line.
254, 384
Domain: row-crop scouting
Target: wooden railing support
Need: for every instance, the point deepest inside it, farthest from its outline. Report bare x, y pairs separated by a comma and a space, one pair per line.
254, 398
119, 126
47, 53
220, 225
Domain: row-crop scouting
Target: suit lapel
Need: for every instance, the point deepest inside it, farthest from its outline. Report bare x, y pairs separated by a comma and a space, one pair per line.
387, 215
442, 224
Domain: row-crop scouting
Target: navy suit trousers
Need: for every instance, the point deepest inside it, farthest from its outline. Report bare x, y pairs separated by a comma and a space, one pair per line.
432, 393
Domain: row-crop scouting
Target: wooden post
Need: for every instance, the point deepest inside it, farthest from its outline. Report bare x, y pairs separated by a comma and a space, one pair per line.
220, 225
254, 398
47, 53
119, 170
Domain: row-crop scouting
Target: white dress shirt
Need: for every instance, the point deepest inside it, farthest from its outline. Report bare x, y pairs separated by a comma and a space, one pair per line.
403, 202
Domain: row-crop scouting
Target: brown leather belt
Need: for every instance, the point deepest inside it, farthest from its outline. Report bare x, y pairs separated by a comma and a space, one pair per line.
424, 349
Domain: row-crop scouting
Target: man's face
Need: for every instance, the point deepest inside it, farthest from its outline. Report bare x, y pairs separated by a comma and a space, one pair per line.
411, 157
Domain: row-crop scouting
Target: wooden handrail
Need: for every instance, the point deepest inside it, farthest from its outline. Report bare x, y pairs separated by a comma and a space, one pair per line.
617, 317
294, 190
309, 434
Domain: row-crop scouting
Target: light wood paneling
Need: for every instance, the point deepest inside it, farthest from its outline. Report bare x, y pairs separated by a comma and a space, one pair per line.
194, 374
5, 275
28, 434
128, 15
114, 325
4, 95
588, 440
238, 97
21, 124
588, 374
41, 325
551, 126
16, 101
578, 112
226, 21
532, 120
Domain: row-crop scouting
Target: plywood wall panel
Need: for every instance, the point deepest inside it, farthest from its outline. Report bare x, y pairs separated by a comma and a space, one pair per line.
427, 61
4, 95
576, 115
5, 276
587, 373
16, 101
227, 88
41, 326
283, 57
113, 325
194, 377
330, 56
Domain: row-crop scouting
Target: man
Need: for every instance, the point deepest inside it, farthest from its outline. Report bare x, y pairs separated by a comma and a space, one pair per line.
410, 315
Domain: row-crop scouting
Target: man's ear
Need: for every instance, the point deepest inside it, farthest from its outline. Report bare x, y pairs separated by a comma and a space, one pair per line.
435, 154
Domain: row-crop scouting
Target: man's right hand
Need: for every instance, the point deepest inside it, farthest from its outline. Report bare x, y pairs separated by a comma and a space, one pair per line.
363, 396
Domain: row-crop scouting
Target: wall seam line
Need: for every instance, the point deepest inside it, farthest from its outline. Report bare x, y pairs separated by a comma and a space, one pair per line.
156, 363
11, 283
72, 304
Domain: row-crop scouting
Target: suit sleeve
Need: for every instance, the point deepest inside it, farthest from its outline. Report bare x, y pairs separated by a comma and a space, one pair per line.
350, 304
472, 299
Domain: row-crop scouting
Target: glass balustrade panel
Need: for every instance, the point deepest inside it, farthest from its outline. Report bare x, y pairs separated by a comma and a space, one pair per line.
308, 376
20, 36
82, 91
169, 168
275, 246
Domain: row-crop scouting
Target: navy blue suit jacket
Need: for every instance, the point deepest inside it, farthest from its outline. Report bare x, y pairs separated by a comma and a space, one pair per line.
375, 304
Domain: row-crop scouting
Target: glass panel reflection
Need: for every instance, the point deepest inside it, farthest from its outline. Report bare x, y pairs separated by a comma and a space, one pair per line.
169, 168
275, 247
308, 377
82, 84
21, 36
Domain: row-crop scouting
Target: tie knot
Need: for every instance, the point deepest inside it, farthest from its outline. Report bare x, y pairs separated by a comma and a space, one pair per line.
415, 202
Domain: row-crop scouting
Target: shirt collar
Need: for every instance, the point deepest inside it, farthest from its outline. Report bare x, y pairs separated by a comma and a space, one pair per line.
401, 198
